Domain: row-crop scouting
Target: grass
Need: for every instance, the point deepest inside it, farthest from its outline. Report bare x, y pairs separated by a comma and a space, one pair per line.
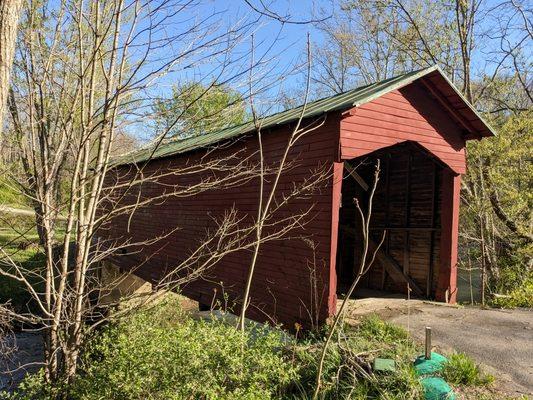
462, 370
9, 195
19, 243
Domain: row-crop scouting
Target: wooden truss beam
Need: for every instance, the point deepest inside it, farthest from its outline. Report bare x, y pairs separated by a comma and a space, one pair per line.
451, 109
353, 173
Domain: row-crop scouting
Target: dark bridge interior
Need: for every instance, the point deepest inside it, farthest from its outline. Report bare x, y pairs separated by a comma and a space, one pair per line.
406, 207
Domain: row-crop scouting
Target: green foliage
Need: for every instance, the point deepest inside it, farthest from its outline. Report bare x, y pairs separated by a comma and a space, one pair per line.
510, 171
160, 354
33, 387
462, 370
20, 243
347, 372
500, 172
9, 195
199, 110
520, 296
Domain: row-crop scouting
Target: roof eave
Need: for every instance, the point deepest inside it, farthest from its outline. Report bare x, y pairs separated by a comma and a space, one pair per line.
488, 131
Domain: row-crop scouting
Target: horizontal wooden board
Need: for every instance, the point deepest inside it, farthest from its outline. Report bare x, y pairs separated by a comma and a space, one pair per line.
281, 285
403, 115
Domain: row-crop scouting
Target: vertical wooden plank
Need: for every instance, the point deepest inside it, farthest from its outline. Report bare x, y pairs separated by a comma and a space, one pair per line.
335, 206
447, 280
387, 212
429, 282
407, 215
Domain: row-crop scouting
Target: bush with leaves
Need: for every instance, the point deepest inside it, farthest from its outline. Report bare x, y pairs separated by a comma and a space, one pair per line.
520, 296
158, 355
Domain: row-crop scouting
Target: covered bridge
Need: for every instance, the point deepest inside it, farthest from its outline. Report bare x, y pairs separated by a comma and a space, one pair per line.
416, 124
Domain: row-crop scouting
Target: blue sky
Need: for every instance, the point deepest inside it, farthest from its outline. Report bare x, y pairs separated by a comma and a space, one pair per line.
292, 37
283, 44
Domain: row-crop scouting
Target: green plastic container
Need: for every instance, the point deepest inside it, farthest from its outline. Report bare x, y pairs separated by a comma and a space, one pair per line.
436, 388
429, 367
384, 365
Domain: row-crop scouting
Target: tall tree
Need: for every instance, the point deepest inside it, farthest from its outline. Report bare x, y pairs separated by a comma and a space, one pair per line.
82, 74
204, 109
9, 17
374, 40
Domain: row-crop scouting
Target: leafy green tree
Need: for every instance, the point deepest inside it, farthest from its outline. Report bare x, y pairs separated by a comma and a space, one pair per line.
497, 203
198, 109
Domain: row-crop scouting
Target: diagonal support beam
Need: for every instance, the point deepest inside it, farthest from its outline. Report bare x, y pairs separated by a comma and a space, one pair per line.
394, 269
353, 173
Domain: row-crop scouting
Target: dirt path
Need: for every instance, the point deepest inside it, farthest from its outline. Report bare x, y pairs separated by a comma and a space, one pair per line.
22, 211
501, 340
16, 211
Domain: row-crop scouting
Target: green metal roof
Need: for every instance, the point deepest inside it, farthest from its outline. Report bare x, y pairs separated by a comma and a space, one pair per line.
343, 101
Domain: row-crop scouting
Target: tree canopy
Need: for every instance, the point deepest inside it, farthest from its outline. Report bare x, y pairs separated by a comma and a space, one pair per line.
196, 109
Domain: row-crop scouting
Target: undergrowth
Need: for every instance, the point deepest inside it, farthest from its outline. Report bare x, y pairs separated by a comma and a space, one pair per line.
162, 353
521, 296
460, 369
514, 283
348, 367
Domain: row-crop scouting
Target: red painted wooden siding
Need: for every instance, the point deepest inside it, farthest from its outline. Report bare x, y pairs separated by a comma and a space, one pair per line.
447, 282
282, 289
410, 114
405, 114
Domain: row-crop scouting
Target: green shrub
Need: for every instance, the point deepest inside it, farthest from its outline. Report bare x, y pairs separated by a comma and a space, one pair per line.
460, 369
33, 387
522, 296
160, 354
514, 282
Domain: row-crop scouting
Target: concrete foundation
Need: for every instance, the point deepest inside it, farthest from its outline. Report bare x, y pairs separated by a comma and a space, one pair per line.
119, 286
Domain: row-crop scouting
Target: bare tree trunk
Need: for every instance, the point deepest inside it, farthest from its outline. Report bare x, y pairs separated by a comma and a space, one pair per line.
9, 17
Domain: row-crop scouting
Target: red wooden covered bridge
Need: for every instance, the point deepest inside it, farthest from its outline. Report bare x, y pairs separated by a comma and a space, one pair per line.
416, 124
